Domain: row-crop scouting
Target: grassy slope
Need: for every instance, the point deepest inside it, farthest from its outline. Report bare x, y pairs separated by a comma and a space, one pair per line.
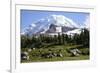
34, 55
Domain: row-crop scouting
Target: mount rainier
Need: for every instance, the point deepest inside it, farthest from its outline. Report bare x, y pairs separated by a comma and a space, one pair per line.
52, 25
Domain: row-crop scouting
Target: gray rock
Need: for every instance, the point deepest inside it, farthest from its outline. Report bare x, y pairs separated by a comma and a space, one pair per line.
59, 55
33, 48
75, 52
29, 50
24, 56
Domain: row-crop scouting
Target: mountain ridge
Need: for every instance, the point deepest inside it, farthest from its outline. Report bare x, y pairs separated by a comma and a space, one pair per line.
52, 24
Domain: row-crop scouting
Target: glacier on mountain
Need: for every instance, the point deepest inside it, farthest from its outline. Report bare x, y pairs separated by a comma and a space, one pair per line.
53, 24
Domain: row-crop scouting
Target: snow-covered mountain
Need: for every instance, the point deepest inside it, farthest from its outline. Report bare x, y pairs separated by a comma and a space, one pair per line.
52, 25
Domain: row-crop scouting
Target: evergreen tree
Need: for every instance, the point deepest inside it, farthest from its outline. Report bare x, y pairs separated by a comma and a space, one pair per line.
59, 39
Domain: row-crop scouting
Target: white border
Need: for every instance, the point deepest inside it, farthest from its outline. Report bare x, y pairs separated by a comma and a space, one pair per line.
16, 66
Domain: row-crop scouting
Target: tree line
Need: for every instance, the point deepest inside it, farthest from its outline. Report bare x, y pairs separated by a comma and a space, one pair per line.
43, 40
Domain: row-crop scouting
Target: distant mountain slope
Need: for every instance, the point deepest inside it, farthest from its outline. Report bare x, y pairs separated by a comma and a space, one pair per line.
53, 24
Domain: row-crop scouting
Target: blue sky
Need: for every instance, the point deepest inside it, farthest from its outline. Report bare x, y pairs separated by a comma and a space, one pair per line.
30, 16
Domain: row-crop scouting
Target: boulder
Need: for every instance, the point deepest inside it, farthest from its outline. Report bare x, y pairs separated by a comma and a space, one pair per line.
59, 55
33, 48
24, 56
75, 52
29, 50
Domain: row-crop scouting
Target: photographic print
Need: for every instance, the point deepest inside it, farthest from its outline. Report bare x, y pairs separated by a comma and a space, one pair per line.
47, 36
51, 36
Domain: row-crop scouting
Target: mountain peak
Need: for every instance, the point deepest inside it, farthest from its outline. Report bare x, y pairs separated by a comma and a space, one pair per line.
43, 25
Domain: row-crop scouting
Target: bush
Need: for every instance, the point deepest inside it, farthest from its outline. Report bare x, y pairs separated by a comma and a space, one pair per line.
85, 51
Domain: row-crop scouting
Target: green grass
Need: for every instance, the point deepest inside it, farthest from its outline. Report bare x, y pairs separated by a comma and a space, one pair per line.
58, 59
35, 55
